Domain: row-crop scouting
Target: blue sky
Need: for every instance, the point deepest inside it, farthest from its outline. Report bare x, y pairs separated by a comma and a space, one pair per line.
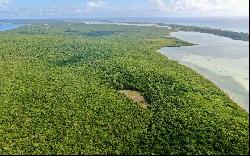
121, 8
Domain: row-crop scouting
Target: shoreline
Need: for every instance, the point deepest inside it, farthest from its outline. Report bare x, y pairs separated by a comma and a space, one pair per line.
205, 73
216, 85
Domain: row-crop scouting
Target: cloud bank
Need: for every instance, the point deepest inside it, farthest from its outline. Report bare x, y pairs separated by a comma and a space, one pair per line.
95, 5
236, 6
3, 3
122, 8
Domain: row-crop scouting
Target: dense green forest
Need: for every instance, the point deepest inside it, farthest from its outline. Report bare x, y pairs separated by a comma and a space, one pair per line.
226, 33
60, 94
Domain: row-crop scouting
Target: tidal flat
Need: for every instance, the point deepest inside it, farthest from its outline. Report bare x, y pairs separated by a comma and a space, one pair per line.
222, 60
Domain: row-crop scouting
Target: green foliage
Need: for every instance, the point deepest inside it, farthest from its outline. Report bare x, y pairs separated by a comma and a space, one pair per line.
59, 95
226, 33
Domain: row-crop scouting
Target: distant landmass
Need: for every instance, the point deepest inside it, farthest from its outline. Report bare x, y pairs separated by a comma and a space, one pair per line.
75, 88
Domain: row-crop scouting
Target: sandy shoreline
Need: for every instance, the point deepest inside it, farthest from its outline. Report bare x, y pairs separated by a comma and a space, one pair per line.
225, 62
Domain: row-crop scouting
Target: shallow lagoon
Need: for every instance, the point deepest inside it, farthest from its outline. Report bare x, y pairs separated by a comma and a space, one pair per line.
222, 60
7, 26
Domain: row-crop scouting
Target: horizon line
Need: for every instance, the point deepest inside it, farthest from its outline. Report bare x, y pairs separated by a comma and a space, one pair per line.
55, 18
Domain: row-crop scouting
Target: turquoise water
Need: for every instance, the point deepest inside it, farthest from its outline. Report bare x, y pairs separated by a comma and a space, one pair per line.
7, 26
222, 60
238, 24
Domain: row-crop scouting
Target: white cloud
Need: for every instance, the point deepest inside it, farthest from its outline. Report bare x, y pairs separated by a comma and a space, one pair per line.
159, 4
93, 5
236, 6
107, 8
3, 3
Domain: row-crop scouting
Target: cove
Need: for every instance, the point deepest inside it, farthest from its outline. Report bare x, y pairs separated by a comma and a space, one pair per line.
222, 60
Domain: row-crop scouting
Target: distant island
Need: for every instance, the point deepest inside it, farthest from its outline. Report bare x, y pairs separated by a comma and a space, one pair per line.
75, 88
226, 33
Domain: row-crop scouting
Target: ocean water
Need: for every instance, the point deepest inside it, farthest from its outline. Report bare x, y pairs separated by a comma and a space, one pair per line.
7, 26
238, 24
222, 60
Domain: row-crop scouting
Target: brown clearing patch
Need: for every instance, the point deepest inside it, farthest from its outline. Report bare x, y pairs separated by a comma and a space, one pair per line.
135, 97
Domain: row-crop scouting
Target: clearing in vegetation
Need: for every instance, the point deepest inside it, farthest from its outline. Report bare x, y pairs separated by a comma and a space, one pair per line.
58, 95
136, 97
